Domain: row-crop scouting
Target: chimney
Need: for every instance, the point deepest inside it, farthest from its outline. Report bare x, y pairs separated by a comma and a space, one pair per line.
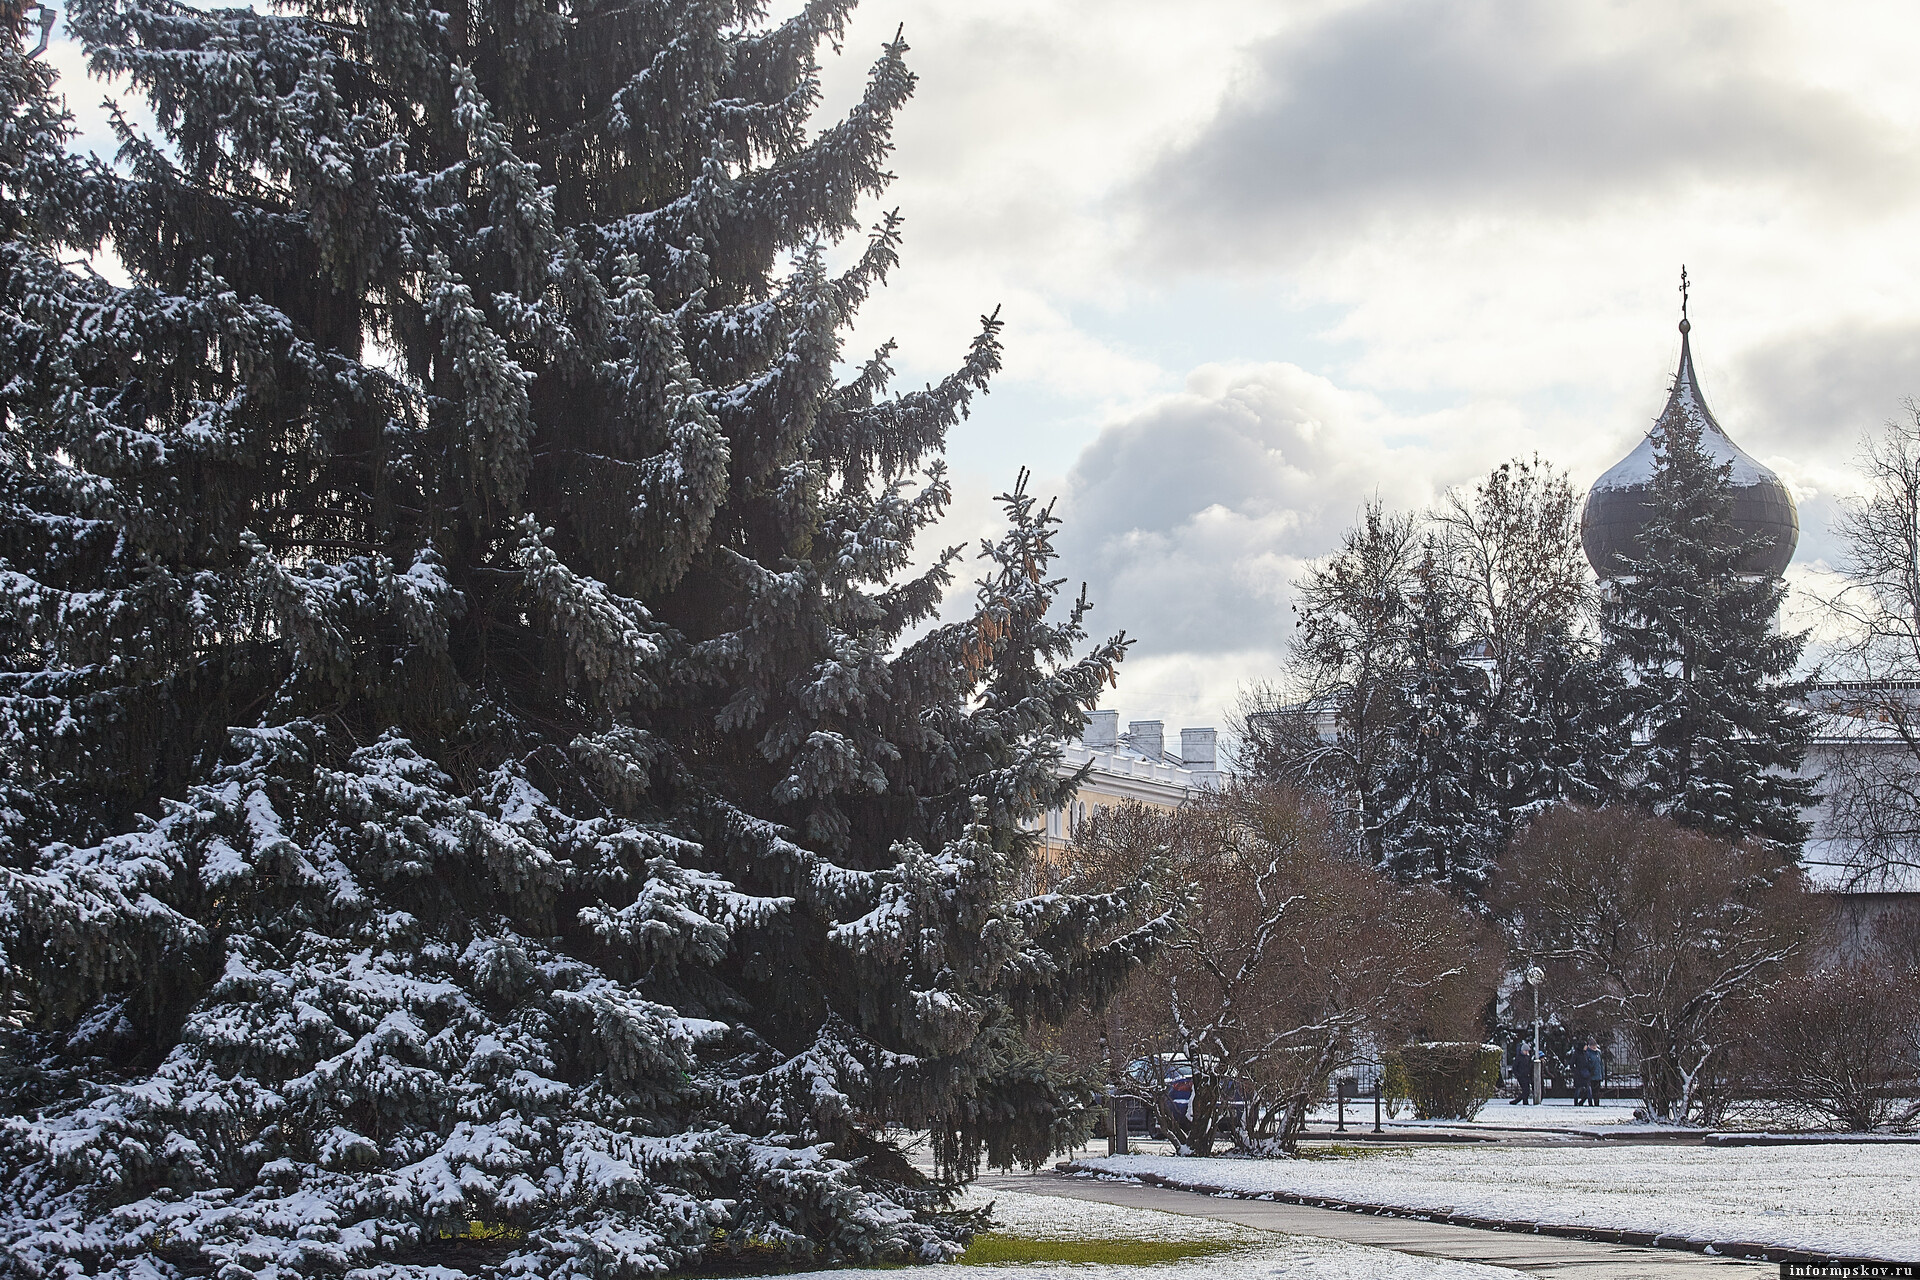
1147, 737
1102, 732
1197, 748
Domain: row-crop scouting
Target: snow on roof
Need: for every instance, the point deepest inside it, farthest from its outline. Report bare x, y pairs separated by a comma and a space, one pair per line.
1832, 727
1685, 401
1849, 712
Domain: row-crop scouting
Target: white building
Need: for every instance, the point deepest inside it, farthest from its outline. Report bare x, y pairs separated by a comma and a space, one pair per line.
1855, 736
1134, 765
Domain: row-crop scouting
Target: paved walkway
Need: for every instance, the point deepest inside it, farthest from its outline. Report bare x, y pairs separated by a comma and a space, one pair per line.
1547, 1256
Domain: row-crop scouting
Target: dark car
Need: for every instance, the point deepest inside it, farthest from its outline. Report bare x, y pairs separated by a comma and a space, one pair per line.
1157, 1081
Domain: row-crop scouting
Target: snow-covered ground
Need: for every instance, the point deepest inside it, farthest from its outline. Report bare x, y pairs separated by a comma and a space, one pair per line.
1839, 1199
1263, 1254
1555, 1114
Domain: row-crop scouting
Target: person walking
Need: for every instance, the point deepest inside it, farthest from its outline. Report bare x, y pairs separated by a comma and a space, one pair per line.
1520, 1062
1582, 1077
1590, 1063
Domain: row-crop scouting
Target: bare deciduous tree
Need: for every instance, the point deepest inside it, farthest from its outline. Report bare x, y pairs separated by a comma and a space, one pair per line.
1658, 928
1896, 939
1514, 559
1873, 785
1293, 959
1277, 732
1871, 777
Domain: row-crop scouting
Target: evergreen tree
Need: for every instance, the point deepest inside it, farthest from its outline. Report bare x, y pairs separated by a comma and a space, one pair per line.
1350, 650
1709, 697
1437, 823
1458, 658
1556, 736
461, 758
1481, 756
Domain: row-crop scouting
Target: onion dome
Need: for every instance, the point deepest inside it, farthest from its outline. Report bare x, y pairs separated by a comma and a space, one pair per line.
1620, 504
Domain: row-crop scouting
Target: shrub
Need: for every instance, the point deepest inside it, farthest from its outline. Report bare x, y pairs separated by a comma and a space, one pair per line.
1837, 1048
1445, 1080
1395, 1093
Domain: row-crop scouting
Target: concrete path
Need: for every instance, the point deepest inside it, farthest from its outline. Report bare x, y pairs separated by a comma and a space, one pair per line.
1537, 1255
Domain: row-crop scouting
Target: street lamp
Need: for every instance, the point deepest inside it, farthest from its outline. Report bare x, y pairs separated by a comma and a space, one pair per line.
14, 14
1535, 976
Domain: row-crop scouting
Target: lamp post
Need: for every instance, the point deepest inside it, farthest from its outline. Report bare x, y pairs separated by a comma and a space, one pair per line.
1119, 1109
14, 15
1535, 976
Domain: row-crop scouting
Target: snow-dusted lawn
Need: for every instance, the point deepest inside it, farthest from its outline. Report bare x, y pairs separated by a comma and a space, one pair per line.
1265, 1253
1840, 1199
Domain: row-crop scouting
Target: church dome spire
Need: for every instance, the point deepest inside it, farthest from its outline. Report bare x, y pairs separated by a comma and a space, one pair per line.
1620, 504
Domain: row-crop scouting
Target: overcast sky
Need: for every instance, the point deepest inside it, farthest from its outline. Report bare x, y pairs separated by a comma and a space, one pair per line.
1259, 262
1262, 261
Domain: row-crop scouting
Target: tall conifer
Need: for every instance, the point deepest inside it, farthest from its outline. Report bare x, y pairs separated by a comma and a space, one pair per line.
1485, 698
1716, 735
462, 758
1438, 822
1557, 735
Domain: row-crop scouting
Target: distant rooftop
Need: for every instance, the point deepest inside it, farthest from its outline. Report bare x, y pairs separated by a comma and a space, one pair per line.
1142, 751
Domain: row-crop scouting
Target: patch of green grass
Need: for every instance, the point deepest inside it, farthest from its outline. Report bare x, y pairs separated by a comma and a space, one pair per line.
1344, 1150
999, 1248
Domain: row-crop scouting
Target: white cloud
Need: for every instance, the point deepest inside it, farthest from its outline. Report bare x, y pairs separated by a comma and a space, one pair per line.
1396, 111
1190, 516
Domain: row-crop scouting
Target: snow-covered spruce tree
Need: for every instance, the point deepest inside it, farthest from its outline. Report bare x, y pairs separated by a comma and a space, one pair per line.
461, 759
1480, 759
1557, 735
1438, 824
1670, 935
1350, 658
1710, 694
1508, 705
